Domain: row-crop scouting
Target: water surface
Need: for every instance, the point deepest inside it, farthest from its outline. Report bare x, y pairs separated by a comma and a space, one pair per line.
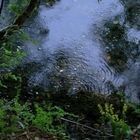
91, 46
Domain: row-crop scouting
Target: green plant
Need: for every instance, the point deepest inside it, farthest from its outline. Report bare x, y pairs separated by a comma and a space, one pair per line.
16, 7
11, 55
16, 117
2, 116
119, 127
49, 121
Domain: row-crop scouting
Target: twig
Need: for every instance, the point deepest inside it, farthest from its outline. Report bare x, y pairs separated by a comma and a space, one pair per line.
85, 126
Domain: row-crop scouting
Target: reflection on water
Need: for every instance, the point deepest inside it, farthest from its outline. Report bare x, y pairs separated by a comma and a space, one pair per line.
120, 51
132, 12
65, 70
84, 45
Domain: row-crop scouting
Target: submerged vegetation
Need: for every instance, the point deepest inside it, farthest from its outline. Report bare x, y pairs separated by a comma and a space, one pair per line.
132, 11
120, 51
34, 113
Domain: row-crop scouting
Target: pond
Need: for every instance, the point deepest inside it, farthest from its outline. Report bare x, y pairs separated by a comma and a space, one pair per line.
86, 45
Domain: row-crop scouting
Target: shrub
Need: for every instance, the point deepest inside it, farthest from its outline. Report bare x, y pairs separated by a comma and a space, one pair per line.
119, 127
16, 117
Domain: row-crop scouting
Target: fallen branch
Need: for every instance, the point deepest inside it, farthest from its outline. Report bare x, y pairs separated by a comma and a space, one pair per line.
85, 126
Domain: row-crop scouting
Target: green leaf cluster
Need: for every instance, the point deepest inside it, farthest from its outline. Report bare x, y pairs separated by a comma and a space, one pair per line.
119, 127
16, 7
17, 117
